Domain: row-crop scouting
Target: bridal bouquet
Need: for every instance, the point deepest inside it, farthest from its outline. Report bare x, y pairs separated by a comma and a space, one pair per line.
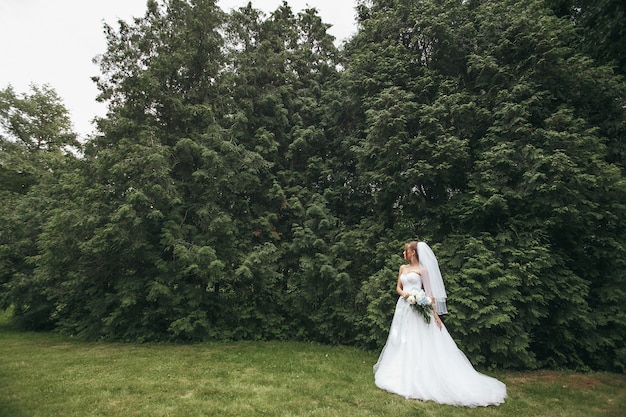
421, 303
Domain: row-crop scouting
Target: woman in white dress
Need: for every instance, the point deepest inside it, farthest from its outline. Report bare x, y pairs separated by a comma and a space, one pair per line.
421, 360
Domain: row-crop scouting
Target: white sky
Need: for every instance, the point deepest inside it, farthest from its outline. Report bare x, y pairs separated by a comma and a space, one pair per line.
54, 41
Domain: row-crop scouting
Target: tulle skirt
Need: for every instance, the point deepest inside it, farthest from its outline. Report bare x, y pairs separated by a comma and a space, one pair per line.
419, 361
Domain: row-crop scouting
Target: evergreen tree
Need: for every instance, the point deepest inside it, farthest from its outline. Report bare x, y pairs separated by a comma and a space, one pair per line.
285, 65
484, 130
37, 147
543, 173
251, 181
208, 167
166, 188
600, 26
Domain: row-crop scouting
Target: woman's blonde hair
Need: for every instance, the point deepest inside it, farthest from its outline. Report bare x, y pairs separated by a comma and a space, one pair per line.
413, 245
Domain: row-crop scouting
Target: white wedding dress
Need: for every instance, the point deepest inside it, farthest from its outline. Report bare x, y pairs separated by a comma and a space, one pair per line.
420, 361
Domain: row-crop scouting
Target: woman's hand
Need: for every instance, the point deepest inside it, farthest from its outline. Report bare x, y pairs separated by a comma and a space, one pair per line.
437, 321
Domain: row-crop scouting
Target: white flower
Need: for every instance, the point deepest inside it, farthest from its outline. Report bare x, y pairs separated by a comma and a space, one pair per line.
420, 302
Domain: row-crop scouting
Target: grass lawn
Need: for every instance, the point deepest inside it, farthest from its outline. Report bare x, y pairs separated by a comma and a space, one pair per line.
44, 374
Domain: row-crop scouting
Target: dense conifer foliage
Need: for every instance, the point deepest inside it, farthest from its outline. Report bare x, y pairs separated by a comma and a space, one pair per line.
251, 180
37, 148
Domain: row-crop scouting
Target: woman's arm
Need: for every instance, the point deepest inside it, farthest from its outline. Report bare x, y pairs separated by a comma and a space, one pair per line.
427, 288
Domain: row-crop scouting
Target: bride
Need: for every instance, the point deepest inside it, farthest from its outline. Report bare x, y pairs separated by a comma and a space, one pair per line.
420, 359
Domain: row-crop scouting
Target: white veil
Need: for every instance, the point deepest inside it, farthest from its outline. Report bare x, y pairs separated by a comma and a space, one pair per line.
432, 280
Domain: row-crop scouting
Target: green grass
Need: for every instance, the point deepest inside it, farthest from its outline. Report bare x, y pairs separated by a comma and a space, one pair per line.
43, 374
